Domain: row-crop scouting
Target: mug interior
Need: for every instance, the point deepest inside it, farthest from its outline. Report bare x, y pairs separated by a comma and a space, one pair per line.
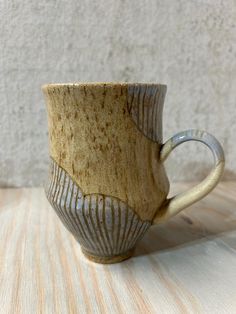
101, 84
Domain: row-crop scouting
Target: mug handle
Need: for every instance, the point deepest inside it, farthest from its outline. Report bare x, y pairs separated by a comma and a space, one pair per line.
175, 204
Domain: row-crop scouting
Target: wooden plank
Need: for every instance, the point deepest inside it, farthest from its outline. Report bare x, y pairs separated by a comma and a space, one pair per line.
187, 265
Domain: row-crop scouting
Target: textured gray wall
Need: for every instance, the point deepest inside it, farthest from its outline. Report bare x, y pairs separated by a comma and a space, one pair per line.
189, 45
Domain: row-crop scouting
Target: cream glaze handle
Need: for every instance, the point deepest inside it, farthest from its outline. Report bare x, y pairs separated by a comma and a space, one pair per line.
175, 204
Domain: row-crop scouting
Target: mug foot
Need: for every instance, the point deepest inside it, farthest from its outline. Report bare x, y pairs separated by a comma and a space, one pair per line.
108, 259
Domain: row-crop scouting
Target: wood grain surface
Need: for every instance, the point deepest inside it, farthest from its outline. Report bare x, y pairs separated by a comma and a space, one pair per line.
187, 265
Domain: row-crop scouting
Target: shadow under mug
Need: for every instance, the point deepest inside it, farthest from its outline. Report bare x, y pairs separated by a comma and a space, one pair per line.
107, 181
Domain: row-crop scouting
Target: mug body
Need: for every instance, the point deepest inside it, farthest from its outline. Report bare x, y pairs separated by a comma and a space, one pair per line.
106, 180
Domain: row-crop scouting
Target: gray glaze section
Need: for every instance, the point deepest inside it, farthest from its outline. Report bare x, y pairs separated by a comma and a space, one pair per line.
103, 225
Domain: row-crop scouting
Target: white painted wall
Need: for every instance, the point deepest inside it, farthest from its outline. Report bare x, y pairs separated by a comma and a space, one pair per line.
188, 44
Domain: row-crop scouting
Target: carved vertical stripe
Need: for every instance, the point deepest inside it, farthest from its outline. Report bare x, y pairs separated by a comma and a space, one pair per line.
94, 218
81, 224
105, 218
123, 219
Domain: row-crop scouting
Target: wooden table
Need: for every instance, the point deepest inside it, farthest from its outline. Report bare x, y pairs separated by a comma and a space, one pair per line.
187, 265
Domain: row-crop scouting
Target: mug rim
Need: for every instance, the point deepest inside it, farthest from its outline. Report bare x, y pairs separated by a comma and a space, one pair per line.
101, 84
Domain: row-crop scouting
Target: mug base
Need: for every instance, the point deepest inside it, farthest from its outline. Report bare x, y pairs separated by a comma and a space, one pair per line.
108, 259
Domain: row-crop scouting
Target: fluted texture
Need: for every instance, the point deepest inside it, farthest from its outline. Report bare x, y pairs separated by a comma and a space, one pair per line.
145, 105
103, 225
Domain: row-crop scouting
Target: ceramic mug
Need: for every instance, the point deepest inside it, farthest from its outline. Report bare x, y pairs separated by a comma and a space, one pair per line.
107, 181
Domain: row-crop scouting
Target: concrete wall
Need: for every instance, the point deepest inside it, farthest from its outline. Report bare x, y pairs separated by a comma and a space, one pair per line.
188, 44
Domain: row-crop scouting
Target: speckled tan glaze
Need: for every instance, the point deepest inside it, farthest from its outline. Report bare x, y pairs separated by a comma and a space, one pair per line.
99, 135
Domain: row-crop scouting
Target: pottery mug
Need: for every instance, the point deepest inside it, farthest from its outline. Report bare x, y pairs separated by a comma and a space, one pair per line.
107, 181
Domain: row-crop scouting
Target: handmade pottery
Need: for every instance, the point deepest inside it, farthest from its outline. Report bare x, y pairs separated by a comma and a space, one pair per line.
107, 180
